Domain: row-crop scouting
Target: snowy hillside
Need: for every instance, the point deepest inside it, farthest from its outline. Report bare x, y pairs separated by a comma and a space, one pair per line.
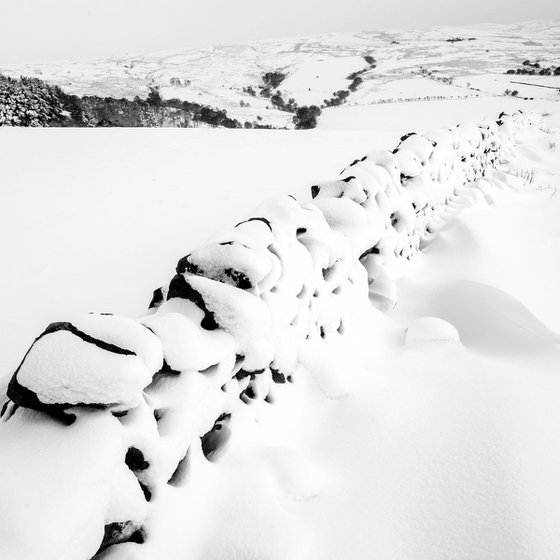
317, 344
443, 62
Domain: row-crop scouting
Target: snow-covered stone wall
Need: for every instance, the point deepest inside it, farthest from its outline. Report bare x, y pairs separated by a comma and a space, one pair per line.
226, 329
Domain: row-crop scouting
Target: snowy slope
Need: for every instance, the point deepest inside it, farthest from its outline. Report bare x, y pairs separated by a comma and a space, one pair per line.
317, 66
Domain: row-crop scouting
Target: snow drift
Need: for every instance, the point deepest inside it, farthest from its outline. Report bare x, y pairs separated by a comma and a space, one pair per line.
227, 329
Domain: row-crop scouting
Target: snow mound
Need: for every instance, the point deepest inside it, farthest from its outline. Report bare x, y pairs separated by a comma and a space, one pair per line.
429, 330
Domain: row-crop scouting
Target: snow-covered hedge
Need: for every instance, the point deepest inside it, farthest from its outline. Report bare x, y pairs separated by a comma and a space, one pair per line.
226, 330
28, 102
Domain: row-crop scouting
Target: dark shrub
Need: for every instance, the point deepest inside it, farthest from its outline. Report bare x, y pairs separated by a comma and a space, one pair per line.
154, 97
306, 117
355, 83
273, 79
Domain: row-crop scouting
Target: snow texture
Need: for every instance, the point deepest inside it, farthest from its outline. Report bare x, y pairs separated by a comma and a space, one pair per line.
227, 330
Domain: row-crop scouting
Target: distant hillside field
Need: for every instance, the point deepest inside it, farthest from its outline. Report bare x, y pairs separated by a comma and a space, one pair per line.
350, 69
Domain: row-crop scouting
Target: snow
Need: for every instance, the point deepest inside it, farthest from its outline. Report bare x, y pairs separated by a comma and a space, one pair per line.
185, 347
317, 80
61, 368
424, 426
240, 314
426, 115
410, 64
105, 239
430, 329
97, 359
47, 478
416, 87
527, 86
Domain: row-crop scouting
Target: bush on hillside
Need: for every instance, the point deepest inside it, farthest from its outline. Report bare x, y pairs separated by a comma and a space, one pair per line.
338, 98
33, 102
273, 79
154, 97
278, 101
28, 102
355, 83
306, 117
529, 68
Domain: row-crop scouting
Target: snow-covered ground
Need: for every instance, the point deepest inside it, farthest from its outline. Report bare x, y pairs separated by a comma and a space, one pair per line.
428, 431
410, 440
408, 65
427, 115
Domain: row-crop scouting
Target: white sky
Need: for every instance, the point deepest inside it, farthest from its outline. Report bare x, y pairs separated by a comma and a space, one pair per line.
37, 30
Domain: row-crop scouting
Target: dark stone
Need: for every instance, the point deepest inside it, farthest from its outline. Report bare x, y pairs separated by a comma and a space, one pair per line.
146, 491
277, 376
223, 417
407, 135
65, 326
328, 272
24, 397
121, 532
242, 373
371, 251
260, 219
214, 441
180, 288
239, 278
4, 408
250, 392
135, 460
184, 265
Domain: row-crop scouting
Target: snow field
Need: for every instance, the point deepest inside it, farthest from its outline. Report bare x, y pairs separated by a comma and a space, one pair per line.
227, 329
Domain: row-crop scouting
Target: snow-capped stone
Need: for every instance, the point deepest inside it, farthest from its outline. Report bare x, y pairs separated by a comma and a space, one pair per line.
186, 345
68, 366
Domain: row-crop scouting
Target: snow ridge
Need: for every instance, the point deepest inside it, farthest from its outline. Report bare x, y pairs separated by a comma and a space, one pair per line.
226, 329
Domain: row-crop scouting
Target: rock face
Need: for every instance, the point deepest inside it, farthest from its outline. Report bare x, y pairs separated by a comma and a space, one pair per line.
226, 330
